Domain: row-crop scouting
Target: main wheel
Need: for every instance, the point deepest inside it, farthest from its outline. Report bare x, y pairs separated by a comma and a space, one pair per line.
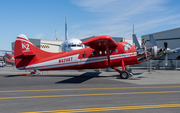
124, 75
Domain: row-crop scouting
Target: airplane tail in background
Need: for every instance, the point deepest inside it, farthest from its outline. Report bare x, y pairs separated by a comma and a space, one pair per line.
26, 53
66, 32
152, 40
135, 41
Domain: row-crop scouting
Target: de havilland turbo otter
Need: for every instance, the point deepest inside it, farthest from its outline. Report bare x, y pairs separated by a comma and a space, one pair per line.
102, 52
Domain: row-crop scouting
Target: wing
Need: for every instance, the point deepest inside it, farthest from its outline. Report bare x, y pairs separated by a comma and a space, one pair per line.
100, 42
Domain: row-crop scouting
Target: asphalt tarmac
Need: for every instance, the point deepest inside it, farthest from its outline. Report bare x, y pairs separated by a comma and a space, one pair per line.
90, 91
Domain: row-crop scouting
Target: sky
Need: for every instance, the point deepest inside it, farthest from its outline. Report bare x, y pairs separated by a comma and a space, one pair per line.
85, 18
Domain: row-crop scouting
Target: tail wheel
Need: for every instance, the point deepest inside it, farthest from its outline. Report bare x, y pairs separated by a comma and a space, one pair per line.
124, 75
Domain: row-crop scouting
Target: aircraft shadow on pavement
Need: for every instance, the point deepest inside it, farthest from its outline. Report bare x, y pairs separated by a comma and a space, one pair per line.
82, 78
16, 75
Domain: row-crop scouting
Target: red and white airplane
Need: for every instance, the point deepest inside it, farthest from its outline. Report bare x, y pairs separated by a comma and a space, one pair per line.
103, 52
8, 57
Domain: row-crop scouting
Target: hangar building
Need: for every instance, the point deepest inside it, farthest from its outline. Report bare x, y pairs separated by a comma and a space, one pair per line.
172, 37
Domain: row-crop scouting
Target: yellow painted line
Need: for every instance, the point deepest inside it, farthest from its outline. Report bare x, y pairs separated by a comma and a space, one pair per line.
80, 95
109, 108
11, 91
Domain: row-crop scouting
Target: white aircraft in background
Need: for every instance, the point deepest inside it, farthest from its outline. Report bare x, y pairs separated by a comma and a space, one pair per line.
70, 44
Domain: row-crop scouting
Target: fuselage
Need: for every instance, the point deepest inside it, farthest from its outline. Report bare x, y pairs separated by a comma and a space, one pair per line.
87, 58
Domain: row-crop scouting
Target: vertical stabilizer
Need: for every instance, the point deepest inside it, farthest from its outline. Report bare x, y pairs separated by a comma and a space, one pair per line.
152, 40
135, 40
66, 33
26, 53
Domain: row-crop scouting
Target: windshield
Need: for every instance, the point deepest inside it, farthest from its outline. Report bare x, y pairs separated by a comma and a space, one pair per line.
127, 46
75, 45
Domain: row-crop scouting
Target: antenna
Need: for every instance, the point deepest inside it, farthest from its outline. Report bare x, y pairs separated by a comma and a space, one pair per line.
56, 35
66, 34
133, 28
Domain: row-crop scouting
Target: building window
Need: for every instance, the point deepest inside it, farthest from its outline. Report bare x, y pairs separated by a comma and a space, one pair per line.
45, 46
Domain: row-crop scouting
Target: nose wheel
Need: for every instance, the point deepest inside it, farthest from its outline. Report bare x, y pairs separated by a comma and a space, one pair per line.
124, 75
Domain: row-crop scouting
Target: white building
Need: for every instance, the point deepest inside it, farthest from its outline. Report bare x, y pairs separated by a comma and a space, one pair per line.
46, 44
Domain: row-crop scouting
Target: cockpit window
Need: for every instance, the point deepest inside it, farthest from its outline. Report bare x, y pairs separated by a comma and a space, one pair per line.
74, 45
127, 46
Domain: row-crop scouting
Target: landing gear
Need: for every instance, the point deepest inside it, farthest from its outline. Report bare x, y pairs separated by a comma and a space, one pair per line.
34, 72
124, 75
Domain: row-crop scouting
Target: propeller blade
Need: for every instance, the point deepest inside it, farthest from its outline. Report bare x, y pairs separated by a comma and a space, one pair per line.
165, 45
166, 59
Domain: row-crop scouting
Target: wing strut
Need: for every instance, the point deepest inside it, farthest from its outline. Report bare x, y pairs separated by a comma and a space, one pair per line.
108, 55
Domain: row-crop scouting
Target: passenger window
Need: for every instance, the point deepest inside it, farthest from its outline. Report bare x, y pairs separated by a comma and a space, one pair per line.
93, 53
84, 55
99, 52
105, 52
110, 51
116, 50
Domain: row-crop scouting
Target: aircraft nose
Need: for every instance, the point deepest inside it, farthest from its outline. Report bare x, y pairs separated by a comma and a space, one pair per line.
145, 53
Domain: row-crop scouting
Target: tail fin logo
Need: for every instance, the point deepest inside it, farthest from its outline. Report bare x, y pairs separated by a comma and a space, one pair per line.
25, 47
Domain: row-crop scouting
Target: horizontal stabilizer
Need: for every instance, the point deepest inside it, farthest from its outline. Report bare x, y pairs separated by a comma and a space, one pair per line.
25, 56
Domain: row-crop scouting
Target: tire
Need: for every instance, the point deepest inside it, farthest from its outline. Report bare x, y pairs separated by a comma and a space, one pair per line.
124, 75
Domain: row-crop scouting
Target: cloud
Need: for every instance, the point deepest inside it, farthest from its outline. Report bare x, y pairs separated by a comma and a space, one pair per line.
39, 36
116, 17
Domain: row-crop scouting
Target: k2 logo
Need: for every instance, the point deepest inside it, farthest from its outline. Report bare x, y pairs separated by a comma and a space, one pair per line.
26, 47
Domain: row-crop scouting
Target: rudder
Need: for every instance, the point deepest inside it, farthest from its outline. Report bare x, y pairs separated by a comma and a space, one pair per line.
24, 52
